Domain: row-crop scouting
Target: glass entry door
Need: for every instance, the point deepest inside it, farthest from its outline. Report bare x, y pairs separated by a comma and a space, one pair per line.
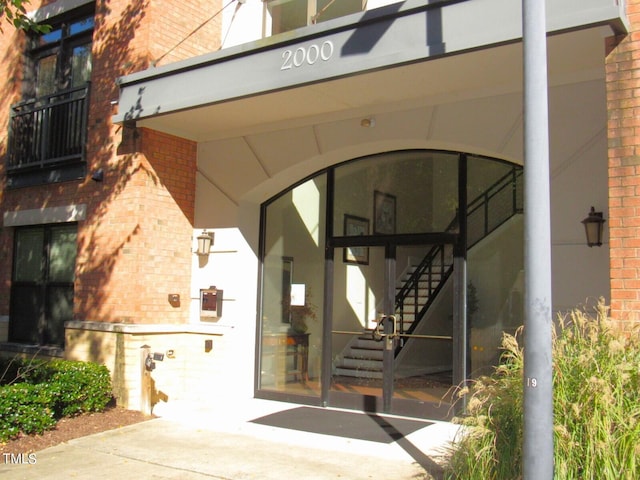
391, 335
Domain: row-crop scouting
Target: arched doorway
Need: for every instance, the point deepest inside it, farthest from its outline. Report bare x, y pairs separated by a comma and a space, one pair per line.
369, 299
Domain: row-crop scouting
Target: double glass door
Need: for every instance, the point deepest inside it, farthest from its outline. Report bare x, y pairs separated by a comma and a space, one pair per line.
387, 354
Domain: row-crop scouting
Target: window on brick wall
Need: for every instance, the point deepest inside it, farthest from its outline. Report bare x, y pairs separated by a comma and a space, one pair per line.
47, 130
42, 283
291, 14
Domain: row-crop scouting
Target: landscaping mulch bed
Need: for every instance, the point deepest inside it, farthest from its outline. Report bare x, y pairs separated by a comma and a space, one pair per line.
73, 427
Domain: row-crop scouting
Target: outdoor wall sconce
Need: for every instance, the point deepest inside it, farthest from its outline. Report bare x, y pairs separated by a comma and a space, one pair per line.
205, 240
594, 227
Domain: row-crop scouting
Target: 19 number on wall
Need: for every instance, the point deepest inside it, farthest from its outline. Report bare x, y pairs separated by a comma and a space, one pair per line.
307, 55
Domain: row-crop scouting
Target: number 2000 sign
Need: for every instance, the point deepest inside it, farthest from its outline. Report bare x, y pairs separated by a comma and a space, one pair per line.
306, 55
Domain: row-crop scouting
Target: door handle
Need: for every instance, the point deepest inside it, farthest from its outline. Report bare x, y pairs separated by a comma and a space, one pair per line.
379, 332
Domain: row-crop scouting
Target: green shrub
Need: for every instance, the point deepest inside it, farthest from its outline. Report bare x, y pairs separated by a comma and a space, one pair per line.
78, 387
25, 408
596, 407
44, 392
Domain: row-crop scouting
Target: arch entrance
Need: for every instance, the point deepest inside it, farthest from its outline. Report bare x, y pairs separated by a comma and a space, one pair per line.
368, 296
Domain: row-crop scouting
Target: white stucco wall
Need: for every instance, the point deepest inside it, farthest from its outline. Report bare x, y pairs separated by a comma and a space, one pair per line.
470, 103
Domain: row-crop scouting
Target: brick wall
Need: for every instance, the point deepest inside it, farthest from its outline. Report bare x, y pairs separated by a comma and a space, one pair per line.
173, 34
135, 247
11, 44
623, 104
135, 244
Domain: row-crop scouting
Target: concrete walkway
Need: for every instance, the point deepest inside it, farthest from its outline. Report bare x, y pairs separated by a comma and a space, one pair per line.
244, 441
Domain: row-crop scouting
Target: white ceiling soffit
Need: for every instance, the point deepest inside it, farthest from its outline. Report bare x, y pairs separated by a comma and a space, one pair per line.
218, 96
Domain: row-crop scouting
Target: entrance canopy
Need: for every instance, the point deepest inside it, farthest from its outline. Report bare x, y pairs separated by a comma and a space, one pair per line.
389, 56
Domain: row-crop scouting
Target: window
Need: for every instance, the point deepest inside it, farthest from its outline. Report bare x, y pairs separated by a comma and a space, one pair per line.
42, 286
62, 57
48, 129
291, 14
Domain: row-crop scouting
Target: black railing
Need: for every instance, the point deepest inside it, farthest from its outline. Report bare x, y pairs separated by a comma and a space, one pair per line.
433, 270
497, 204
48, 130
494, 206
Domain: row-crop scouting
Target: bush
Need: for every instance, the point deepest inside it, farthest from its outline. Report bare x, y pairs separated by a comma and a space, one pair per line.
596, 407
79, 387
25, 408
44, 392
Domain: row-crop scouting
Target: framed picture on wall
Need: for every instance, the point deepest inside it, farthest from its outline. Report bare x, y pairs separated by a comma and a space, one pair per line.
384, 213
353, 227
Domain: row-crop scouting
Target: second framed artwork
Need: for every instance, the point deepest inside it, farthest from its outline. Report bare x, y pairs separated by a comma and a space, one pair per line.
384, 213
353, 227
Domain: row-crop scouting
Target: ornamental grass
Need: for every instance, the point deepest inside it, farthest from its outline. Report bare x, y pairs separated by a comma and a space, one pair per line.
596, 400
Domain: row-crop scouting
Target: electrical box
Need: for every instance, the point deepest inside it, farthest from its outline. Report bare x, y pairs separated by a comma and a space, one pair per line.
211, 302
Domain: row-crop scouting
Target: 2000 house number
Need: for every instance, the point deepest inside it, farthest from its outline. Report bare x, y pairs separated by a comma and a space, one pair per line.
307, 55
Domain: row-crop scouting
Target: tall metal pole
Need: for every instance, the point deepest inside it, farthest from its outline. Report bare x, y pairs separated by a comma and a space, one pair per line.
537, 382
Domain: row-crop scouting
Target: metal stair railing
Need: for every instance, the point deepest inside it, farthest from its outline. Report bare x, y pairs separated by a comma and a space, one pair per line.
485, 213
434, 263
497, 204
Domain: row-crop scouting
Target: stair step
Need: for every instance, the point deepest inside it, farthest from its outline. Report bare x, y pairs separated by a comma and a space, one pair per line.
423, 289
361, 364
366, 344
425, 279
358, 373
421, 296
365, 354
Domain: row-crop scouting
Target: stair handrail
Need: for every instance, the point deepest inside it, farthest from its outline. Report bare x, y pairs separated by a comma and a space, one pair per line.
509, 180
413, 282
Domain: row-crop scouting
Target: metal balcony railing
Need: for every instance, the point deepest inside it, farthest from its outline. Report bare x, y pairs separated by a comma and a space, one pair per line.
48, 131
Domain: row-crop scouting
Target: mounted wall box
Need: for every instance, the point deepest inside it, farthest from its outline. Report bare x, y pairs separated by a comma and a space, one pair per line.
174, 299
211, 302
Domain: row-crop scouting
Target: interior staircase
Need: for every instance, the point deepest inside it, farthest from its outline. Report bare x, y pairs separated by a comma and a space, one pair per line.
419, 284
362, 357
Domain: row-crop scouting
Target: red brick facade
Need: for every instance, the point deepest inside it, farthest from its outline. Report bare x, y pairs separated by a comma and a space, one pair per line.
623, 104
135, 245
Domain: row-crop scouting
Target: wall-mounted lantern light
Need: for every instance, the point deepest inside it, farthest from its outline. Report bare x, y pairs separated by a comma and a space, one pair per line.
205, 240
594, 227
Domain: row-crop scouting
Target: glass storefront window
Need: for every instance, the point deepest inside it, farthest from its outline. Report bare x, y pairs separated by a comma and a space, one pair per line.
293, 290
400, 192
495, 260
393, 241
